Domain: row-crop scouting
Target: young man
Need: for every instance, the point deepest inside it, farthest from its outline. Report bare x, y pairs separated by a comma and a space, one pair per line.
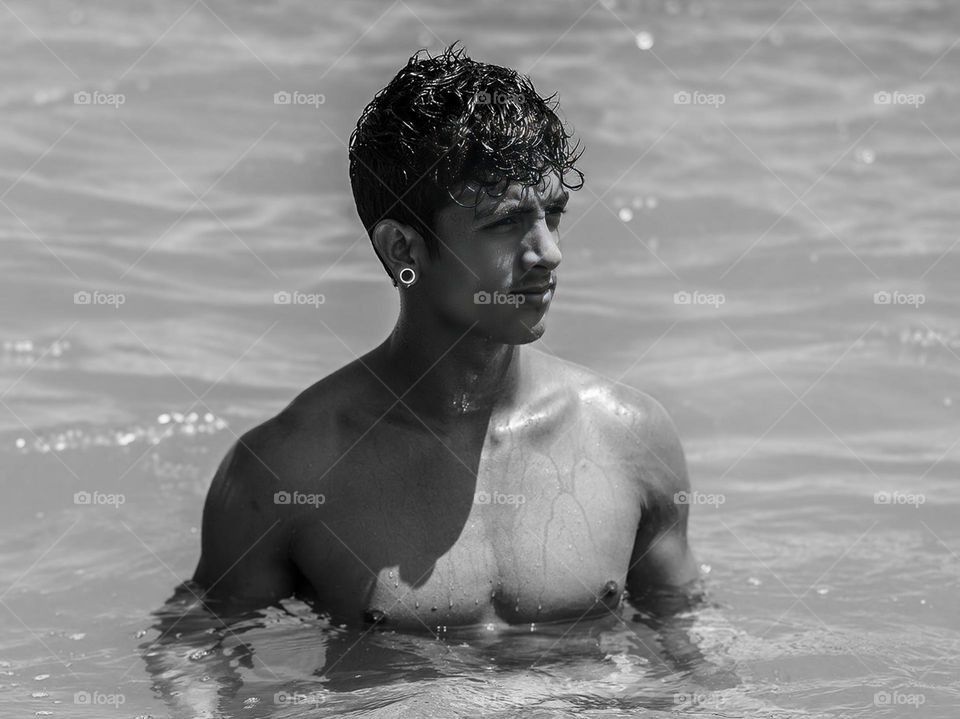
454, 475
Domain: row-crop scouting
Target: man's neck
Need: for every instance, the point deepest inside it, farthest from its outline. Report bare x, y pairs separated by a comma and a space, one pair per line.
445, 375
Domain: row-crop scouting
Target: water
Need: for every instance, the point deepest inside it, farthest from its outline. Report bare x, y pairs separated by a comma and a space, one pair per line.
799, 398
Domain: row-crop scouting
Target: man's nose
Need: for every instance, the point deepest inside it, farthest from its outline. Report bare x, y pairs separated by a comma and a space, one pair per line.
543, 248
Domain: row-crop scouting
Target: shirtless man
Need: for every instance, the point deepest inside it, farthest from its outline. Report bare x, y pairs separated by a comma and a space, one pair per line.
454, 475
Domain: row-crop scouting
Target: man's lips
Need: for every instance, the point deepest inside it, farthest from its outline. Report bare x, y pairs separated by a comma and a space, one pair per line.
534, 289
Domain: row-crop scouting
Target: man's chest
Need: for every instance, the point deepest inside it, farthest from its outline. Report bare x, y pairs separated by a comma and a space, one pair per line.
431, 534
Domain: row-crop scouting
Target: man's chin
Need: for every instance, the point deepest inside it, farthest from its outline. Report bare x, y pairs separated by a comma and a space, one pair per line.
519, 333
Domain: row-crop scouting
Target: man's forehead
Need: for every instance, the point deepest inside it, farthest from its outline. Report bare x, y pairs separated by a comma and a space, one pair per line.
548, 188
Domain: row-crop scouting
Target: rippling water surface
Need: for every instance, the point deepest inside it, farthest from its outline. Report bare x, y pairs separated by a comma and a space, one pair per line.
781, 198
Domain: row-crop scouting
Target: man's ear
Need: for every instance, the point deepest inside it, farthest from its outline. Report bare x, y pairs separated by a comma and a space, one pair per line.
399, 246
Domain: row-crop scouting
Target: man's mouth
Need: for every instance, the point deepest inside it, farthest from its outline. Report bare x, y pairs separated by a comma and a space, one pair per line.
535, 289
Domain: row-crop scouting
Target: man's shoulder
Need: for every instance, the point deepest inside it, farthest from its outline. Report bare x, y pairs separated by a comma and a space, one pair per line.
635, 424
626, 406
305, 427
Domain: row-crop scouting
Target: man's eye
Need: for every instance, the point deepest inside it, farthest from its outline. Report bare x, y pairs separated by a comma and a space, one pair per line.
505, 222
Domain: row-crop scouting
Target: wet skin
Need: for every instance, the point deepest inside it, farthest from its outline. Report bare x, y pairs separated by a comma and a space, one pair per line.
453, 475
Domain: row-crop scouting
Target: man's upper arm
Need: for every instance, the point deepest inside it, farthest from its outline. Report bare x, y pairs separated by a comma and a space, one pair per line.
661, 558
244, 560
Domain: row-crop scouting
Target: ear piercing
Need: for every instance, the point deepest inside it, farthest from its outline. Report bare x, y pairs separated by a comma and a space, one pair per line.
407, 276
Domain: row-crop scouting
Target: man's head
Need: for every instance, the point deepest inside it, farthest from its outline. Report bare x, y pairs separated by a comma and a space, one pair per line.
445, 143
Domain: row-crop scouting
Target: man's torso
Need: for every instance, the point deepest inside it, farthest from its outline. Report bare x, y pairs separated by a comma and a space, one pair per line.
526, 516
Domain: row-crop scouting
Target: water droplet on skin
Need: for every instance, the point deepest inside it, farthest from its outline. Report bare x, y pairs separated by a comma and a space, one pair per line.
644, 40
433, 608
390, 574
822, 590
375, 616
866, 156
754, 582
416, 605
625, 214
450, 605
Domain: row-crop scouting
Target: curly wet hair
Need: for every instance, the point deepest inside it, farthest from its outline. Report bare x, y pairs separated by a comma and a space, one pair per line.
446, 120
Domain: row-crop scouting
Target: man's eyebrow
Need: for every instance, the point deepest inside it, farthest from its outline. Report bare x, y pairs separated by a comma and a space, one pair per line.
513, 207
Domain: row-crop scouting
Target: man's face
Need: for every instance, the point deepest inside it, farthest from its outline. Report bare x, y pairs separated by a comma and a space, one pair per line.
498, 262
